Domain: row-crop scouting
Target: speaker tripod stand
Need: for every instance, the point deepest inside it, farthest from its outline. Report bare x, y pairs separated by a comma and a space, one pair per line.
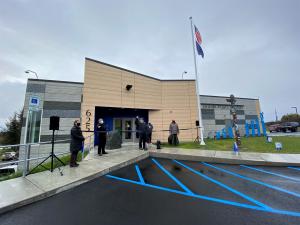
52, 156
197, 139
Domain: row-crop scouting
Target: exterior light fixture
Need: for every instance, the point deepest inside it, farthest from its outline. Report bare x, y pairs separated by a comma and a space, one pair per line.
128, 87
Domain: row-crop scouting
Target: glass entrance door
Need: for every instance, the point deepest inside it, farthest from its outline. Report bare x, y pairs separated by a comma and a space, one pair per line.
128, 130
125, 126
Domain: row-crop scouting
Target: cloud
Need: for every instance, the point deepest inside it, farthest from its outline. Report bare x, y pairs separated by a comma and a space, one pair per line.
251, 48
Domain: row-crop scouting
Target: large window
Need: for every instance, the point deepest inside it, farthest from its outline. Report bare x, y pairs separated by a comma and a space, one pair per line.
33, 126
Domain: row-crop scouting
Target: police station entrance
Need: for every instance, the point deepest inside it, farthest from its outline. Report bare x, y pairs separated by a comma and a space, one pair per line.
121, 119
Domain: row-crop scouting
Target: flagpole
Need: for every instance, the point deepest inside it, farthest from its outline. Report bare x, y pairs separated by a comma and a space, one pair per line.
197, 87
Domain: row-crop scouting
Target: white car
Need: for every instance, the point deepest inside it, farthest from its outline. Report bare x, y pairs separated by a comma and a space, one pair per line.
9, 156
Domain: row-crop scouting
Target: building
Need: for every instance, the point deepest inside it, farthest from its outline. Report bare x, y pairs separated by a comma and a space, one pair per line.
119, 95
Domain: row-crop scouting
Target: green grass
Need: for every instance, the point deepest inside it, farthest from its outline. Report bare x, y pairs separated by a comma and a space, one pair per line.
251, 144
56, 163
11, 176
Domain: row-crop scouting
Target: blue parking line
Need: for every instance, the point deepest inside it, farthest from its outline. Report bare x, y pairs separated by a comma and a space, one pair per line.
241, 205
272, 173
172, 177
223, 185
294, 168
139, 174
253, 180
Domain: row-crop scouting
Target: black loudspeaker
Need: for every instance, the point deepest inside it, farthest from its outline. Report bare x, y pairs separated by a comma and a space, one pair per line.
197, 123
54, 123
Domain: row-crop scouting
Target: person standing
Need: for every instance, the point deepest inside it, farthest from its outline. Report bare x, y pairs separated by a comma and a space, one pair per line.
150, 129
142, 134
101, 130
174, 131
76, 143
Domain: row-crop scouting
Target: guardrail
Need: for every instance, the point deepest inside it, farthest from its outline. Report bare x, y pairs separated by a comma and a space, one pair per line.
27, 147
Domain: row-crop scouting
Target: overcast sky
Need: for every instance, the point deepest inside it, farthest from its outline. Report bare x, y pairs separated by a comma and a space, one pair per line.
251, 47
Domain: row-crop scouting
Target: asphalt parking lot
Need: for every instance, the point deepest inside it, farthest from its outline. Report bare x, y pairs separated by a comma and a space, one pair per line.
162, 191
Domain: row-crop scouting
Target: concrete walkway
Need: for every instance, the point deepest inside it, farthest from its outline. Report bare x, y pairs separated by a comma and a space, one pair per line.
21, 191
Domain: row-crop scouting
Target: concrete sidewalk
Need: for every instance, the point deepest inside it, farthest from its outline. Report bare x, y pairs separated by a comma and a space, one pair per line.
21, 191
249, 158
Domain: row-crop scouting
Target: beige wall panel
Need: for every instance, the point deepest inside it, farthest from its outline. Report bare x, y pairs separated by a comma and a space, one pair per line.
147, 80
95, 66
105, 86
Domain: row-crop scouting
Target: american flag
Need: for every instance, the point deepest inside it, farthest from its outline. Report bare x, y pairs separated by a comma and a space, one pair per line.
198, 42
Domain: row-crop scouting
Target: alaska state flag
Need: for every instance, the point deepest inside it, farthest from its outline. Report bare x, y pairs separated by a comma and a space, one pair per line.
198, 40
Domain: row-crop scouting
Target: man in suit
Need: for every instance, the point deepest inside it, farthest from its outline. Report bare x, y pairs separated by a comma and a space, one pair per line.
101, 130
143, 130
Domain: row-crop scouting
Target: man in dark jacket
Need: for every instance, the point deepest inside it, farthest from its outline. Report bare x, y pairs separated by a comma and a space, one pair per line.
76, 143
143, 130
101, 130
149, 135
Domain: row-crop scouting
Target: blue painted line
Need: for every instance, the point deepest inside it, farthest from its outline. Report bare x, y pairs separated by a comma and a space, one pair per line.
282, 212
253, 180
139, 174
173, 177
294, 168
272, 173
224, 186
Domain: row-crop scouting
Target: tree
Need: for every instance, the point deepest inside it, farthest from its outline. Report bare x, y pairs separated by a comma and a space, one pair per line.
291, 118
11, 134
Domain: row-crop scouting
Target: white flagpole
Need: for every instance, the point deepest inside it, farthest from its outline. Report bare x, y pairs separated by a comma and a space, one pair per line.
197, 86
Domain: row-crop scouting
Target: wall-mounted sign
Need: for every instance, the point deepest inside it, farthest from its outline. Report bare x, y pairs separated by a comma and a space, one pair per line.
34, 102
88, 120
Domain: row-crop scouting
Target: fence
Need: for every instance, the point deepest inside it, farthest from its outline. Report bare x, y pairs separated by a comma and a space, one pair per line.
25, 160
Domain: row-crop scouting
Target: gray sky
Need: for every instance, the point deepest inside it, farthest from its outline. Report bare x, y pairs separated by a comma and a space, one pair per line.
251, 47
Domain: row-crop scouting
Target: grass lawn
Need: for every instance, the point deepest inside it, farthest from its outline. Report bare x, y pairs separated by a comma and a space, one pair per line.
251, 144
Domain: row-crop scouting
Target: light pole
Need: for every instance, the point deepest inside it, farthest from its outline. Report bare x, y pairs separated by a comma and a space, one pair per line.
184, 72
31, 71
294, 107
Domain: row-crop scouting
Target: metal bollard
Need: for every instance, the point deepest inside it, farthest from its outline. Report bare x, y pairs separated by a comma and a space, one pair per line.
25, 161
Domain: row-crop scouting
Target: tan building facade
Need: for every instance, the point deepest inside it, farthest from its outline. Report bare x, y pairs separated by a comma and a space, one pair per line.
119, 95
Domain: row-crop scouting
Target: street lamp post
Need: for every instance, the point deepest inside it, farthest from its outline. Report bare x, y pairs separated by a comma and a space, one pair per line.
294, 107
31, 71
184, 72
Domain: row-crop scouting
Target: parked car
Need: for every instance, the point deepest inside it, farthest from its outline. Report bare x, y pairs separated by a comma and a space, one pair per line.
274, 127
7, 170
7, 156
289, 126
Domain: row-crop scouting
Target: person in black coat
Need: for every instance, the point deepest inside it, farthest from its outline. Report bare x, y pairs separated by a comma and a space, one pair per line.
149, 135
76, 143
143, 130
101, 130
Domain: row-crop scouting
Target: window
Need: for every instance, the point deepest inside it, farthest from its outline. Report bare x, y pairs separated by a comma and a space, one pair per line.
33, 126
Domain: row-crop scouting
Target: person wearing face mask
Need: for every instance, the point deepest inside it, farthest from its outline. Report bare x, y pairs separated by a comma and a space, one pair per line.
76, 143
101, 130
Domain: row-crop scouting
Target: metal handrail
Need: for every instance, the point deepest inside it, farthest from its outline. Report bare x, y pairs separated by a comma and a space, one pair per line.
26, 160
